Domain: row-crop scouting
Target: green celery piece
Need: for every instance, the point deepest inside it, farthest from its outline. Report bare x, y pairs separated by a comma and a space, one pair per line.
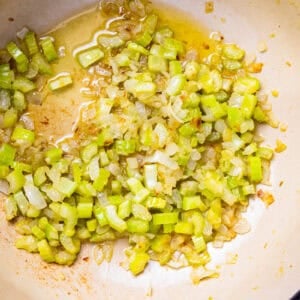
184, 228
160, 242
157, 63
10, 118
19, 101
10, 208
234, 118
53, 155
124, 209
51, 232
111, 41
71, 245
23, 134
31, 43
88, 57
156, 202
65, 186
135, 225
150, 23
248, 105
64, 258
193, 202
45, 251
175, 67
84, 210
165, 218
255, 169
16, 180
88, 152
38, 232
246, 85
91, 225
28, 243
19, 56
232, 51
23, 85
137, 48
144, 38
102, 180
171, 43
7, 154
138, 262
22, 202
42, 64
61, 81
125, 147
199, 243
113, 219
49, 49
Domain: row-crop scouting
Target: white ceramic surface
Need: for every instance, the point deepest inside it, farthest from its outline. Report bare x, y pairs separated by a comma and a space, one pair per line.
268, 265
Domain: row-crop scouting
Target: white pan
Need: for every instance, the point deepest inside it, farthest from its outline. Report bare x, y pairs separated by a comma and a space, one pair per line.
268, 258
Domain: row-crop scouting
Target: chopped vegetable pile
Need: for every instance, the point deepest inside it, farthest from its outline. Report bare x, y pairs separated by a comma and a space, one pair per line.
166, 156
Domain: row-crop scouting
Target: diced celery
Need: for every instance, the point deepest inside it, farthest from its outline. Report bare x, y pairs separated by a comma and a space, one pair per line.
18, 55
161, 34
16, 181
175, 67
110, 41
135, 225
124, 209
232, 51
184, 228
171, 43
114, 220
88, 152
41, 63
31, 43
165, 218
150, 23
125, 147
7, 154
84, 210
45, 251
199, 243
157, 63
60, 81
10, 118
49, 49
137, 48
53, 155
10, 208
144, 38
19, 102
23, 134
138, 262
234, 118
23, 85
248, 105
176, 85
255, 169
28, 243
246, 85
91, 225
65, 186
89, 57
102, 180
71, 245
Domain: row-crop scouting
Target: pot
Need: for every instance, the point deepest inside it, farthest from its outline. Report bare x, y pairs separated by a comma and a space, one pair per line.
267, 260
